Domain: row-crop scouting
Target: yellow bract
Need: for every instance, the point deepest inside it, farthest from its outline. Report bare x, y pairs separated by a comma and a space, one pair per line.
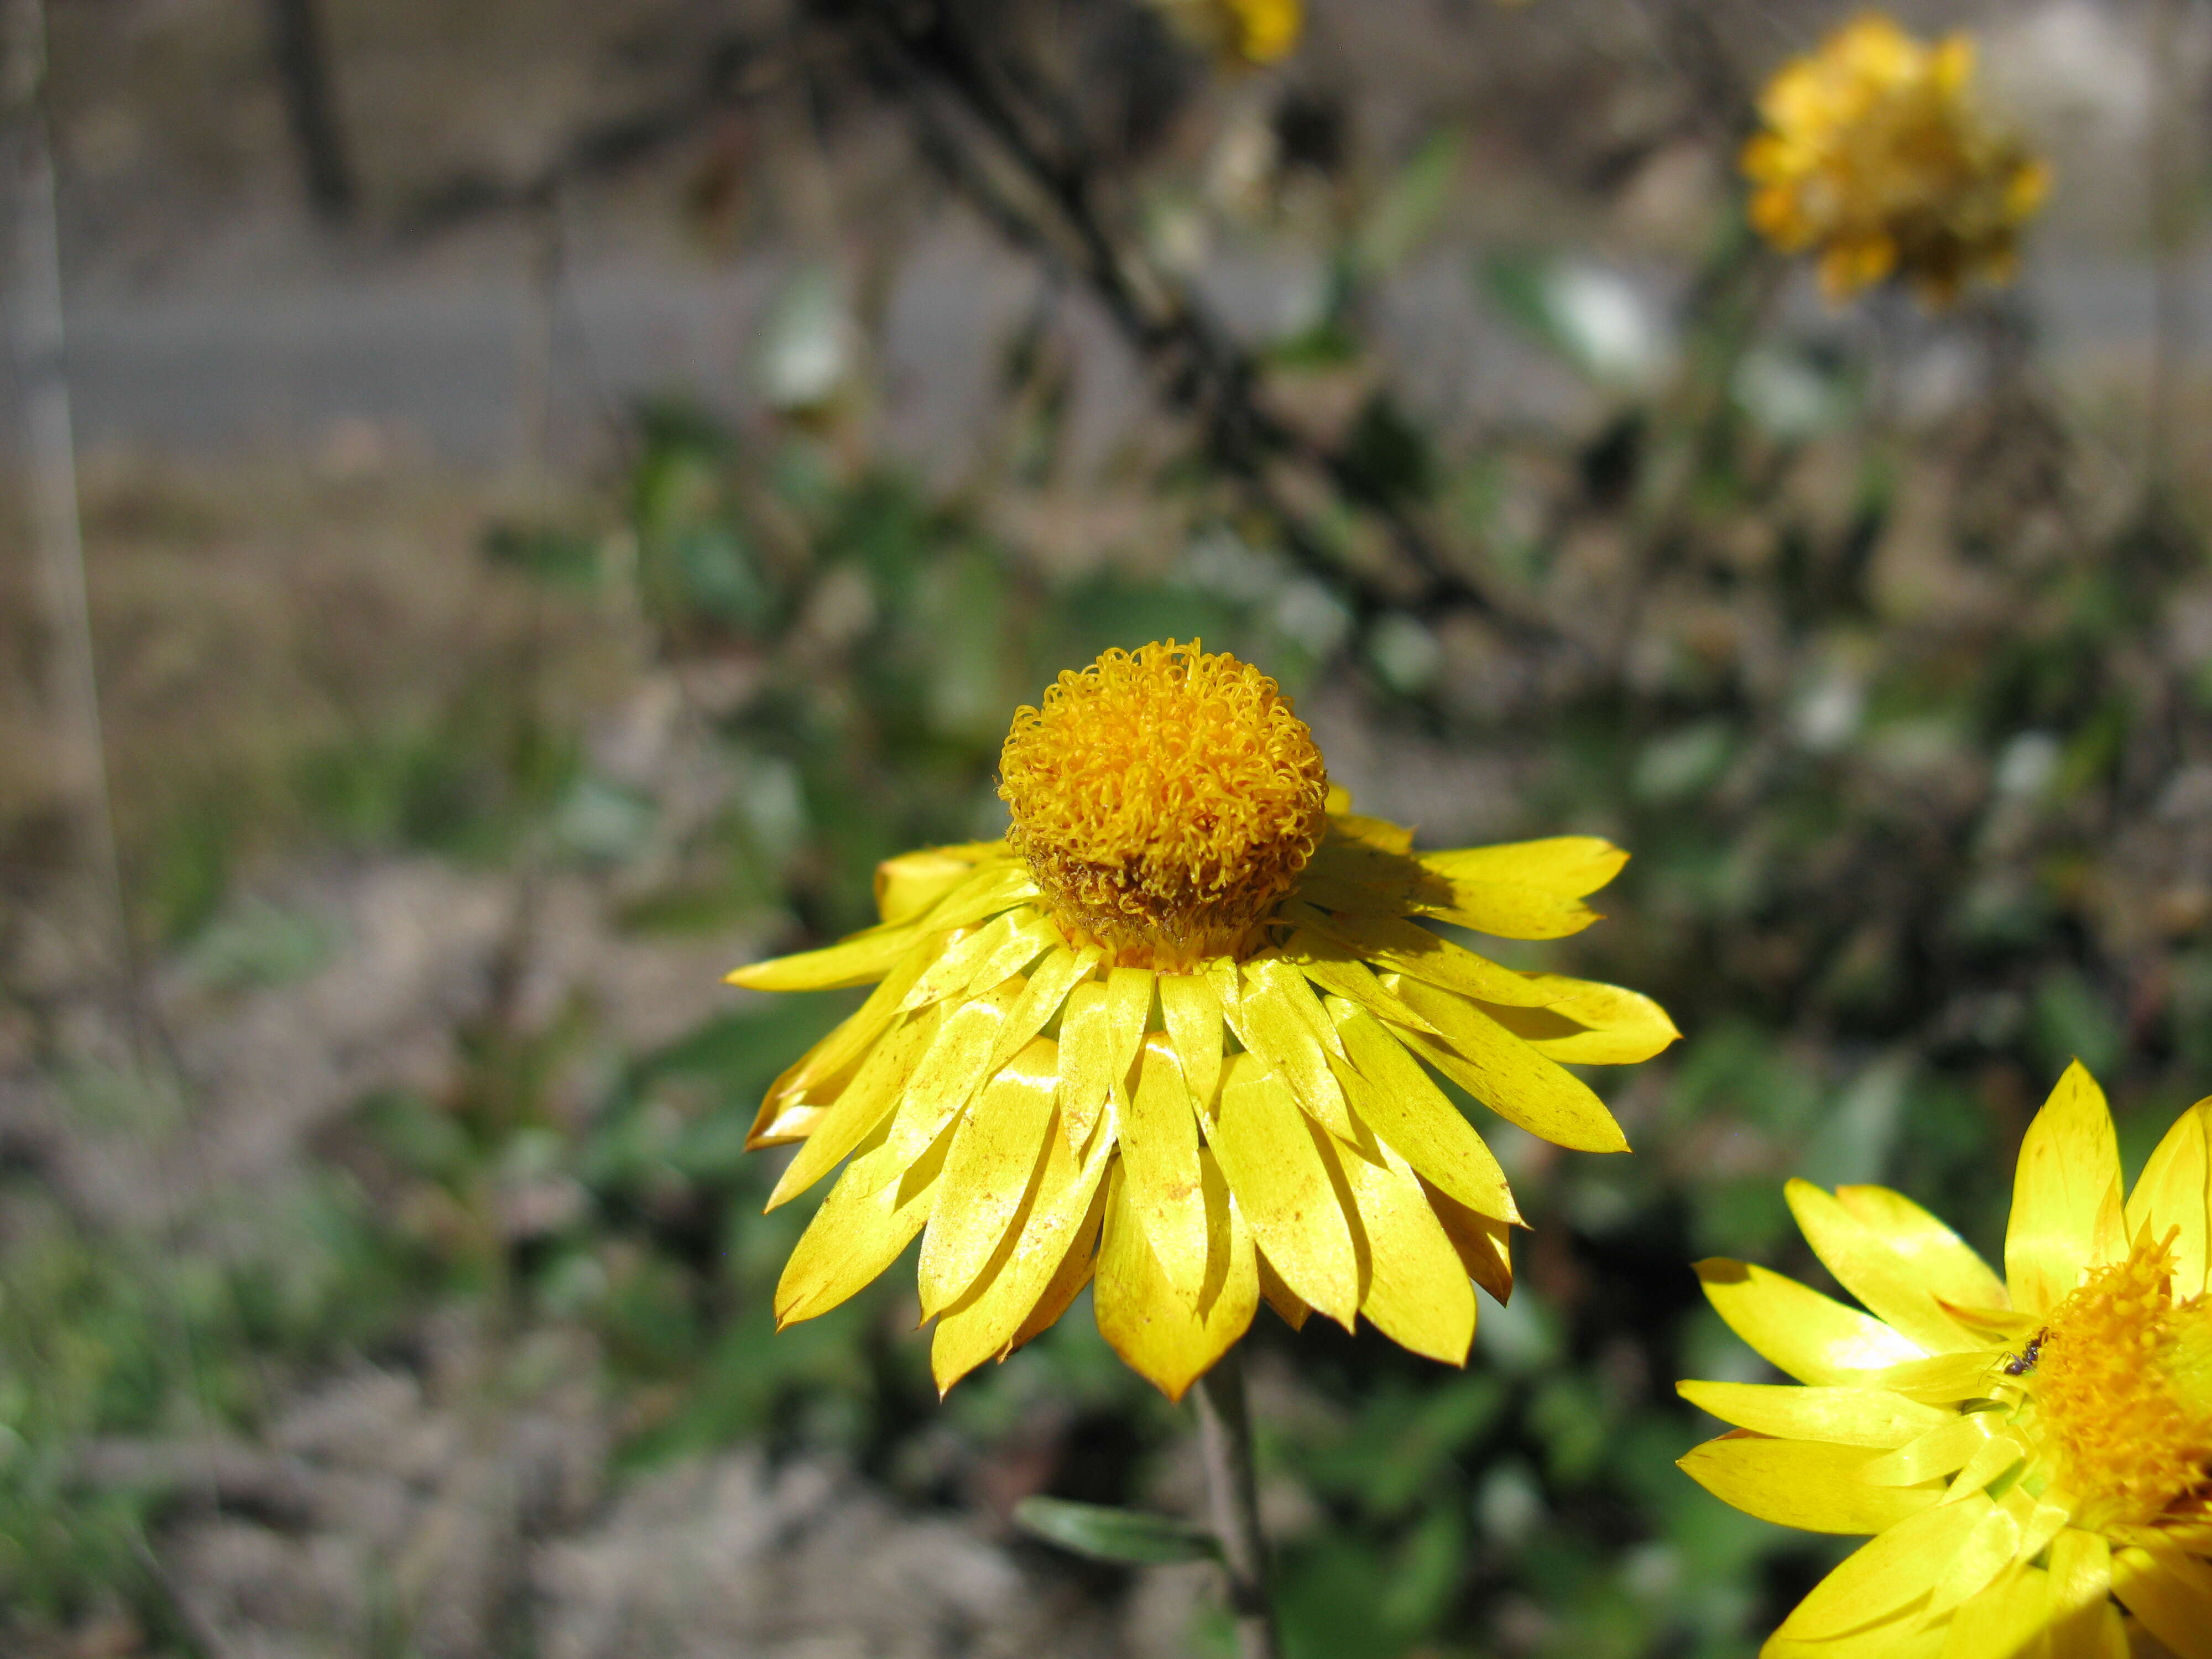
1198, 1105
1873, 154
2034, 1454
1252, 31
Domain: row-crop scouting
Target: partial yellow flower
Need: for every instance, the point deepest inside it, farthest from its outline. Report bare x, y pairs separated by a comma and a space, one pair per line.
1252, 31
1874, 154
2033, 1454
1176, 1034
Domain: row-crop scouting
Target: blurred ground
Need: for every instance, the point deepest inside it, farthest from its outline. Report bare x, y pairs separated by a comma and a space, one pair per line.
377, 1272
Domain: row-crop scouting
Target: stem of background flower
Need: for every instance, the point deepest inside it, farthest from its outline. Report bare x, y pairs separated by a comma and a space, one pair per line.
1225, 1423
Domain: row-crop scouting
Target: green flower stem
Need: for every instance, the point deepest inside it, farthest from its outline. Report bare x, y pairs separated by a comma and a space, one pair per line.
1224, 1423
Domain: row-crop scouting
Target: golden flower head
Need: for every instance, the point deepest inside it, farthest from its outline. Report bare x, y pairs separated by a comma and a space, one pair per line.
1164, 801
2033, 1454
1874, 154
1179, 1035
1238, 31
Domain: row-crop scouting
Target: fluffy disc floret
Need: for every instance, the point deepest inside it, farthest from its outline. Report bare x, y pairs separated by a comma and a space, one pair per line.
1164, 799
2116, 1395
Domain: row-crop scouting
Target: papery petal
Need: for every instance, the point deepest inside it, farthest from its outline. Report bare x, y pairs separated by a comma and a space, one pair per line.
1846, 1417
1417, 1294
1803, 1484
997, 1154
1865, 1265
1951, 1268
1160, 1160
1814, 1338
2067, 1213
1035, 1255
1267, 1153
1891, 1575
2174, 1192
2170, 1593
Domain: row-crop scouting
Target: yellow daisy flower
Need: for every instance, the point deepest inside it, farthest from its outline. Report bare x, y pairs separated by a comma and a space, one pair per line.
2033, 1454
1873, 153
1252, 31
1175, 1033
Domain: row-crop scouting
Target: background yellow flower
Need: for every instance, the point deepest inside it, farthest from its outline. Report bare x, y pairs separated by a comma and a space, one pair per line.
1875, 155
2033, 1453
1251, 31
1182, 1032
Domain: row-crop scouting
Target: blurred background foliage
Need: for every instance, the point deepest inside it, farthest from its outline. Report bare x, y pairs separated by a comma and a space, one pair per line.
1880, 637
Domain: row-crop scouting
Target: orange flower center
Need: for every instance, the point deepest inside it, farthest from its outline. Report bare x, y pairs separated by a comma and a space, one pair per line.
1164, 801
2121, 1394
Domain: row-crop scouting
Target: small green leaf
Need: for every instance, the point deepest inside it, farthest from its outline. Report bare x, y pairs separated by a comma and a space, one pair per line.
1110, 1534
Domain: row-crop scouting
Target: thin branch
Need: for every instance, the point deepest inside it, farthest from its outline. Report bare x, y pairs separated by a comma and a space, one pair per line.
1225, 1423
962, 110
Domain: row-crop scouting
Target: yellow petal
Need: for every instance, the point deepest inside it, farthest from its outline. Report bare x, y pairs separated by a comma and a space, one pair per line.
1816, 1339
2175, 1191
952, 972
1589, 1024
1193, 1013
1886, 1283
1076, 1267
1028, 936
1099, 1036
2004, 1621
2066, 1214
1802, 1483
1157, 1333
1944, 1449
997, 885
1951, 1269
1288, 1304
1570, 866
1372, 832
864, 1104
909, 885
2081, 1592
1508, 1076
1846, 1417
985, 1323
872, 1213
1269, 1024
955, 1066
1332, 966
2170, 1593
1041, 997
1509, 910
819, 1067
860, 960
1998, 1455
997, 1155
1268, 1157
1279, 980
1886, 1577
1901, 1638
1482, 1241
1418, 1293
1393, 1095
1159, 1165
1388, 940
1983, 1554
1944, 1380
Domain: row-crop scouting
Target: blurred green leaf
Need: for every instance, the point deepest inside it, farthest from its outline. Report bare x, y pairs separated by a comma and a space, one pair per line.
546, 554
1125, 1536
1410, 209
